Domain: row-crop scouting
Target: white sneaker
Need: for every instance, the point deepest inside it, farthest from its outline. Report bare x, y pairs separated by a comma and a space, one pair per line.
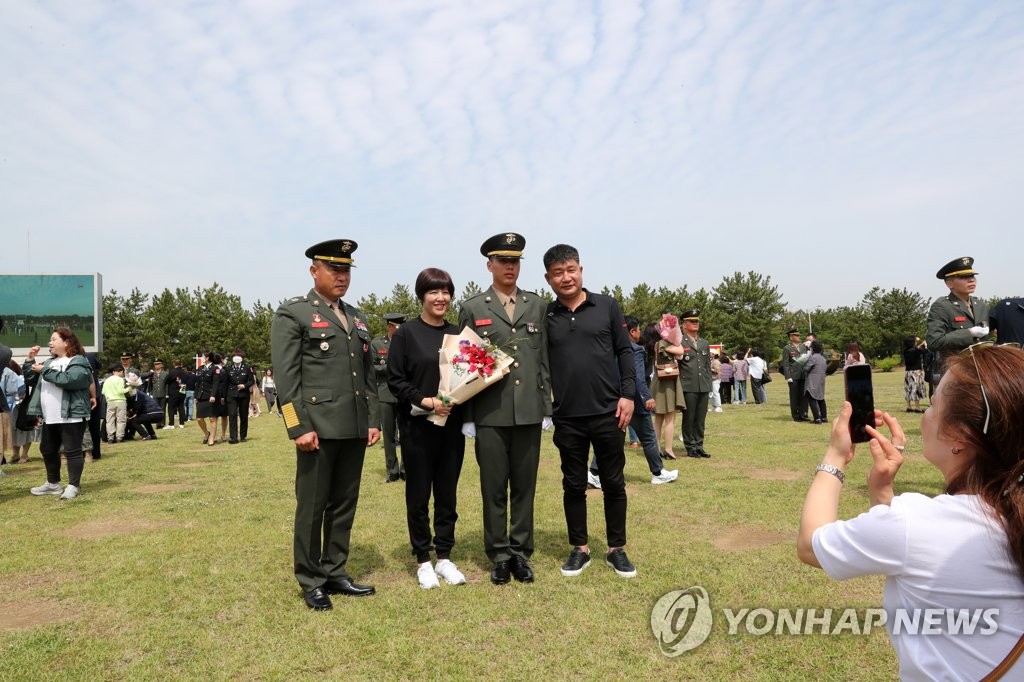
425, 574
680, 438
450, 572
181, 426
168, 427
48, 489
718, 409
666, 476
593, 480
70, 493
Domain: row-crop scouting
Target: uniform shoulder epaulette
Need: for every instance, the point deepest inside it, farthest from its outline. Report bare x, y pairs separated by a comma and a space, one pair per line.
476, 295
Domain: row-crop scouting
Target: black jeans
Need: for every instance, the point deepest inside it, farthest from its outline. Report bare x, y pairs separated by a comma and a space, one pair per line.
433, 458
644, 428
573, 437
69, 437
142, 424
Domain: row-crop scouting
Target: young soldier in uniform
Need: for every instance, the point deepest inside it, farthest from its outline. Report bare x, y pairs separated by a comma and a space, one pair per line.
695, 378
959, 319
240, 380
593, 381
321, 357
794, 373
385, 399
506, 419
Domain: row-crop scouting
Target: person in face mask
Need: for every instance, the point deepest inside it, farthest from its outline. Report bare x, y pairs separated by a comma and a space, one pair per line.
240, 381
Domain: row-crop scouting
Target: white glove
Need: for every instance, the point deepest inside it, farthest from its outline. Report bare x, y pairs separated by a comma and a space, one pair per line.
469, 430
978, 332
789, 381
546, 424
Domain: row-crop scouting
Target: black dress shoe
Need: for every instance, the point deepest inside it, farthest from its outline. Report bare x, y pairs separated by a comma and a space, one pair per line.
391, 478
501, 574
348, 588
232, 442
402, 475
521, 570
317, 599
692, 453
702, 453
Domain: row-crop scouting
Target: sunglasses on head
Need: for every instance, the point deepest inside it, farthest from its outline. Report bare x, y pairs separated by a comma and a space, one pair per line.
984, 394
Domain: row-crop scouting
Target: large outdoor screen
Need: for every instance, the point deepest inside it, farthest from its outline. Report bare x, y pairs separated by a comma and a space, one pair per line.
32, 306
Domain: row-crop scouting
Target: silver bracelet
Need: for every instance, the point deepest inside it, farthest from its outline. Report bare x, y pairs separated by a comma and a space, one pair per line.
835, 471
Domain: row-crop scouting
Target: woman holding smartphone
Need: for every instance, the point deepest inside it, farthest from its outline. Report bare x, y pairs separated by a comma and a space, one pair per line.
959, 552
432, 454
61, 398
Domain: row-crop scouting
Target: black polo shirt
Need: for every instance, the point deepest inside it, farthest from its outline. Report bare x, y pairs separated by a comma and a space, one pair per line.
1007, 319
590, 356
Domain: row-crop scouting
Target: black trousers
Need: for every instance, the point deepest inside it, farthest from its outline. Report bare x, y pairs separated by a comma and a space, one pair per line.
238, 413
326, 494
175, 406
508, 457
142, 424
69, 437
725, 392
694, 418
433, 463
644, 427
797, 400
818, 408
574, 437
95, 419
162, 402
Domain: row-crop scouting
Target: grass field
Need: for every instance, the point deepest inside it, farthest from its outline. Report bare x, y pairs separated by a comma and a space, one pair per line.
176, 563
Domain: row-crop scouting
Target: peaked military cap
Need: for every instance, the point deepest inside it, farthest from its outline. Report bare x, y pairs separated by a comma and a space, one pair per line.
691, 314
506, 245
126, 356
958, 267
394, 318
334, 252
792, 330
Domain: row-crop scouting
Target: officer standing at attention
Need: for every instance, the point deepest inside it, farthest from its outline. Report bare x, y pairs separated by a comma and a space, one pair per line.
794, 373
386, 400
506, 419
959, 319
321, 356
240, 380
695, 378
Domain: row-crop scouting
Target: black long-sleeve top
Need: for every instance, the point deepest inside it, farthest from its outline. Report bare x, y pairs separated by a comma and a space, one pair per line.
413, 372
591, 357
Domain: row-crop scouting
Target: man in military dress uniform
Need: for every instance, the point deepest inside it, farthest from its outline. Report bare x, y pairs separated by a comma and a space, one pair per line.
240, 379
129, 368
959, 319
793, 371
321, 357
695, 378
158, 390
506, 419
386, 401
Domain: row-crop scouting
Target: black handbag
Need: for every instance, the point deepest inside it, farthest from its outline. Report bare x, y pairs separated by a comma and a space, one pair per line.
25, 421
766, 378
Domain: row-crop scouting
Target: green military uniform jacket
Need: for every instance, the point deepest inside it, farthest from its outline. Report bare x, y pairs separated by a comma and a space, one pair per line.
379, 356
159, 381
695, 365
791, 368
524, 396
950, 322
323, 373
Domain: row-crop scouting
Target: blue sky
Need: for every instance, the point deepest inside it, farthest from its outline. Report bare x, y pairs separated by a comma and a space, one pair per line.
834, 146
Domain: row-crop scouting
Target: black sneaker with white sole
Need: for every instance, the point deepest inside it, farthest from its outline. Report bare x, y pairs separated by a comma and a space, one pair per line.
577, 562
619, 562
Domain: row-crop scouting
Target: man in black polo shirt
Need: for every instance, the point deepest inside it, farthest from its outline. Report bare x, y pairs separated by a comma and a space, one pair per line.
593, 380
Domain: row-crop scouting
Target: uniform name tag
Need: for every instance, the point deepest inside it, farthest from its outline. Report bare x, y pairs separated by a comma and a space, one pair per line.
482, 323
960, 318
319, 324
382, 351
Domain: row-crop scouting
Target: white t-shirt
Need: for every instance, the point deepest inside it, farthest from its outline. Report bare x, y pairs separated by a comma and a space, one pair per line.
756, 366
945, 552
51, 396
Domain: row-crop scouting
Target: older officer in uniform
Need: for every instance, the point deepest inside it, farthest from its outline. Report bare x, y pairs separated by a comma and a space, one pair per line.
695, 377
959, 319
321, 357
507, 418
385, 399
794, 373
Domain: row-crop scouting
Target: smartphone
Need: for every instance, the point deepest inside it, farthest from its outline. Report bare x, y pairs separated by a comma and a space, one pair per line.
861, 396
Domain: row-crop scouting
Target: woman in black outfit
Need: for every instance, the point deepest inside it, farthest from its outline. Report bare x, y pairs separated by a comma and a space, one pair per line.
432, 454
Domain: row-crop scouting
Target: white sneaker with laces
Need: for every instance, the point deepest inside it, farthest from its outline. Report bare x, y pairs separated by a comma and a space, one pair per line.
666, 476
181, 426
450, 572
593, 480
168, 427
48, 489
70, 493
425, 574
718, 409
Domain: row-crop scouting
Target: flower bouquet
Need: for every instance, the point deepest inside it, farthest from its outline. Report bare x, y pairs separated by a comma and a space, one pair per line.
669, 329
469, 364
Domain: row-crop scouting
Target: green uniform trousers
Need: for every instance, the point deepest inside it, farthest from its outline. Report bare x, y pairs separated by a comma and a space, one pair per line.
693, 420
508, 457
389, 429
326, 493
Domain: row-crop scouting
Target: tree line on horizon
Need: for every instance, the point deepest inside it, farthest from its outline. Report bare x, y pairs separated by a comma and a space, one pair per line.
742, 311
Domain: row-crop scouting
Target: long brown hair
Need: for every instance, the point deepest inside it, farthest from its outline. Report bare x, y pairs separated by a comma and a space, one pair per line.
74, 346
996, 473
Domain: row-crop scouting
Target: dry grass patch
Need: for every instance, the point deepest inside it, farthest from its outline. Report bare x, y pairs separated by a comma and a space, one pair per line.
163, 488
194, 465
103, 528
749, 537
32, 613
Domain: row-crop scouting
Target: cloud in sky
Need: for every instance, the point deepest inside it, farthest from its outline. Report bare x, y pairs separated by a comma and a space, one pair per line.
833, 146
